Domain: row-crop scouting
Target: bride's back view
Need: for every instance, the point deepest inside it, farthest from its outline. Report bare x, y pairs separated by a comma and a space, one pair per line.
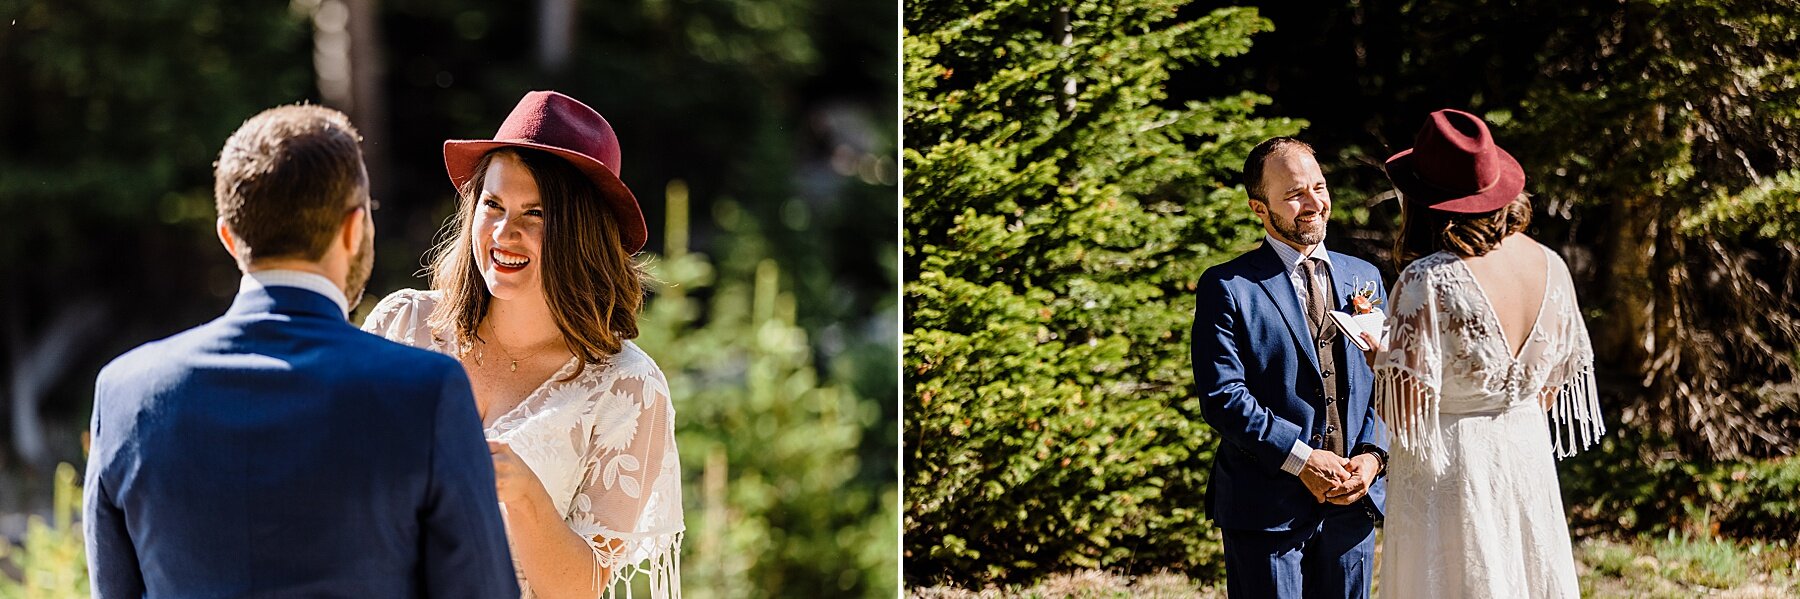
1472, 371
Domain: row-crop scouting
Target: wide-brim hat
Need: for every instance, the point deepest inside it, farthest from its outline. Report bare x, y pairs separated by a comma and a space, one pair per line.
560, 125
1455, 166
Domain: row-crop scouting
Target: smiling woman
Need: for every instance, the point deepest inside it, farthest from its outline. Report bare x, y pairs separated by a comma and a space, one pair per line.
537, 293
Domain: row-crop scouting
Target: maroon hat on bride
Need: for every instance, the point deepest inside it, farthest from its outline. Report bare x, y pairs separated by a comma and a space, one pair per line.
560, 125
1454, 166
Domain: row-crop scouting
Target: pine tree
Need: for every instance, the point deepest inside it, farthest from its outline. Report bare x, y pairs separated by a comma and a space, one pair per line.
1059, 207
777, 503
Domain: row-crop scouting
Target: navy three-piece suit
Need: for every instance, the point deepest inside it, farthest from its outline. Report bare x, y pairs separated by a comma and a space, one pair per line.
279, 451
1256, 368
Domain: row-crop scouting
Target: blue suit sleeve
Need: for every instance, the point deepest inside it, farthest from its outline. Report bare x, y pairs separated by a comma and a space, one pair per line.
1225, 400
464, 539
1374, 430
111, 558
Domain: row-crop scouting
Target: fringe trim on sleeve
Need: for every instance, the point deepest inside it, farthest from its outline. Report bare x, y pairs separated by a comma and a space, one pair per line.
1410, 408
1575, 421
655, 557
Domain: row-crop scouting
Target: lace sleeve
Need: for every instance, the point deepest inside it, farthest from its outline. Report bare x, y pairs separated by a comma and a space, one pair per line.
628, 506
1575, 418
400, 316
1409, 372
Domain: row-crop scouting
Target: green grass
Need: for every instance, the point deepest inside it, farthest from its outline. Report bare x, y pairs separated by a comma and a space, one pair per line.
1708, 562
1685, 566
1668, 566
1087, 584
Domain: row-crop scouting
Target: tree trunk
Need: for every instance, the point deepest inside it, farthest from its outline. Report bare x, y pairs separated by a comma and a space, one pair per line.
1627, 301
348, 57
556, 34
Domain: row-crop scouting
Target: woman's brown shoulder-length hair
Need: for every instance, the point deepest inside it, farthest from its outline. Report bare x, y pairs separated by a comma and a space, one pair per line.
594, 288
1424, 231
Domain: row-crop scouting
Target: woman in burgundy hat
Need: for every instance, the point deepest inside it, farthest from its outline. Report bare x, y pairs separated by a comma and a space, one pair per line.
1486, 342
535, 289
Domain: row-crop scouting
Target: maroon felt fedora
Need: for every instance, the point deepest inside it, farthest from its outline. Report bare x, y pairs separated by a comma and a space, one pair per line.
1454, 166
560, 125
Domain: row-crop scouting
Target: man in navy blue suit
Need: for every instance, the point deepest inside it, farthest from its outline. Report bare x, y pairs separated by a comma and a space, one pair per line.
278, 450
1296, 483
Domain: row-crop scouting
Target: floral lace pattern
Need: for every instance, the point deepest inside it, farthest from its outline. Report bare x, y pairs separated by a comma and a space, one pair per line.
603, 444
1473, 505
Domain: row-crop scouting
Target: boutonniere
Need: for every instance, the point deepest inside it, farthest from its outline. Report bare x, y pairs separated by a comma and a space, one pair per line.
1363, 300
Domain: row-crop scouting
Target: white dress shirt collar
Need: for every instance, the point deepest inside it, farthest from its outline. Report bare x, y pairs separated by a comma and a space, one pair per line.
301, 279
1291, 257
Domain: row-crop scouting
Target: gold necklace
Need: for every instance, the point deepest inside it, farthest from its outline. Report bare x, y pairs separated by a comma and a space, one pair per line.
515, 361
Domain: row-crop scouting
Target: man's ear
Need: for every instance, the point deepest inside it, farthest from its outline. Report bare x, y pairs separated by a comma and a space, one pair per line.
1259, 208
228, 240
350, 232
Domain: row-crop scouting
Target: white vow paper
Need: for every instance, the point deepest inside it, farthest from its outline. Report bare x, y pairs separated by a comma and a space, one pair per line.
1375, 323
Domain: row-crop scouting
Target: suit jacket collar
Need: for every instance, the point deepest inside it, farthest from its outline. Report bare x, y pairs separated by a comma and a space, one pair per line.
313, 282
1273, 276
291, 301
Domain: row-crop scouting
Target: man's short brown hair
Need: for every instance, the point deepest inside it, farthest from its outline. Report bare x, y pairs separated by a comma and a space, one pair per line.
285, 180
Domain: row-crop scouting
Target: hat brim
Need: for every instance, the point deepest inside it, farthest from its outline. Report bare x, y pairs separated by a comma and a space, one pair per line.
1401, 169
461, 156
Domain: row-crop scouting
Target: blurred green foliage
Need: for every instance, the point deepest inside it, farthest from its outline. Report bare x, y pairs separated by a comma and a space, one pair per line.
1616, 488
1769, 209
50, 563
769, 446
1058, 209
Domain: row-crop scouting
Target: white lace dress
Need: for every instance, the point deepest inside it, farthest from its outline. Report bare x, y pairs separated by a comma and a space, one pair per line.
603, 445
1473, 506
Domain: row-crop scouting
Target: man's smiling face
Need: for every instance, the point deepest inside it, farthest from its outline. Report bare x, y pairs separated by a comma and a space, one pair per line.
1298, 202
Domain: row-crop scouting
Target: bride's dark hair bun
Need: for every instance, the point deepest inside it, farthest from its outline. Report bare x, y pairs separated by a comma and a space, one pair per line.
1424, 231
1477, 234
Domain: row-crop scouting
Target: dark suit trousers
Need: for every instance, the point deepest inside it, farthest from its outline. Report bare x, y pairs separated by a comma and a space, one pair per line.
1333, 560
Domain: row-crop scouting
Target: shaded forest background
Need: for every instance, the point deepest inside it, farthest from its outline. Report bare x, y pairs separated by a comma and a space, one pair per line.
759, 136
1071, 168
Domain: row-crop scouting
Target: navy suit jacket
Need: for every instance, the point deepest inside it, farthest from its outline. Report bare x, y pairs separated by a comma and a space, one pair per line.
1256, 370
279, 451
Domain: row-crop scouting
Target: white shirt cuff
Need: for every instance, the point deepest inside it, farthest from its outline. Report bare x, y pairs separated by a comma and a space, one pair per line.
1297, 457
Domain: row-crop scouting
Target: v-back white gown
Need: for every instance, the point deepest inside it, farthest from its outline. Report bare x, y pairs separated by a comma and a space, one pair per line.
1473, 505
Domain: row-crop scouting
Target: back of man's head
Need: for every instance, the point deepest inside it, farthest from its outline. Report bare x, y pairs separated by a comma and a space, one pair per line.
286, 179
